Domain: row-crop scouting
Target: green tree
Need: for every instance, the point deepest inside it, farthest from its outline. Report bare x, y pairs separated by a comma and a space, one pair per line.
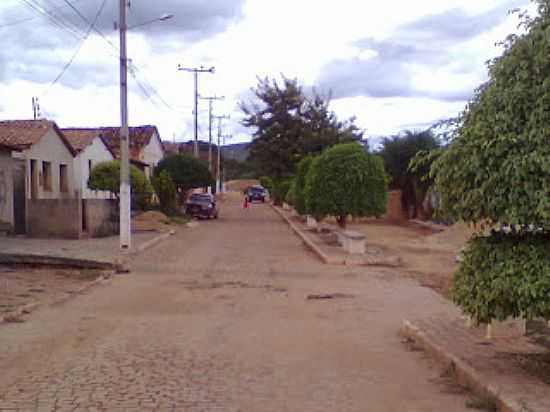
186, 172
300, 184
288, 126
346, 180
497, 171
106, 176
166, 192
397, 153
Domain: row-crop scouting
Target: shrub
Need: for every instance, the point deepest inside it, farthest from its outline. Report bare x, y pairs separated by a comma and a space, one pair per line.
505, 274
280, 190
266, 182
346, 180
166, 192
106, 176
300, 184
291, 194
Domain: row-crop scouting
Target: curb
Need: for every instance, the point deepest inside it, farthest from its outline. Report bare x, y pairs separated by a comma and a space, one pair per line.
463, 373
332, 260
152, 242
316, 249
56, 261
31, 307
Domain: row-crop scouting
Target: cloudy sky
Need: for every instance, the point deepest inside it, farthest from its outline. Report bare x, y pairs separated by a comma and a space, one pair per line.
392, 64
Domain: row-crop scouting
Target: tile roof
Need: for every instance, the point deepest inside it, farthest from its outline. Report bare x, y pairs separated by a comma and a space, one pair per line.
79, 139
21, 134
140, 136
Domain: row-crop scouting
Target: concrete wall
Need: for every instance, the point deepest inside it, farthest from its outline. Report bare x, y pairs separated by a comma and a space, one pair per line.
59, 218
62, 218
153, 153
6, 188
101, 217
50, 148
96, 153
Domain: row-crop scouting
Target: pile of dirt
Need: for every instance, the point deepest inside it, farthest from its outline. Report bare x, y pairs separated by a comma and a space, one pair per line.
240, 185
150, 221
452, 238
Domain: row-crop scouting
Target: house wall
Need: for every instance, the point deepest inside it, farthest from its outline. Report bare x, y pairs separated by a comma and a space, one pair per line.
6, 188
51, 149
153, 153
59, 218
102, 217
97, 153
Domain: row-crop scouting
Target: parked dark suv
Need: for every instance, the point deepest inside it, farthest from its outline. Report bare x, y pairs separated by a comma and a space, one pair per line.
201, 205
256, 193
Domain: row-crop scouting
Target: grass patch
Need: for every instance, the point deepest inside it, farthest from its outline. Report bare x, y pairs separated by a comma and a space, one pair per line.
483, 403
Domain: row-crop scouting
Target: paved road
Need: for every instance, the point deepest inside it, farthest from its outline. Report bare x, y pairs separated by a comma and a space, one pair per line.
216, 319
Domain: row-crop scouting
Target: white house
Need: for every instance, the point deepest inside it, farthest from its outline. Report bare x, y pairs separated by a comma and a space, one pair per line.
90, 150
146, 148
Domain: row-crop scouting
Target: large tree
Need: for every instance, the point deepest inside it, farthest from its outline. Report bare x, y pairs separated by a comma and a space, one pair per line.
397, 153
288, 125
346, 180
497, 171
185, 171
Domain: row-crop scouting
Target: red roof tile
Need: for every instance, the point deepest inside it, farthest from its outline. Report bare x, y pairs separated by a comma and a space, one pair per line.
79, 139
21, 134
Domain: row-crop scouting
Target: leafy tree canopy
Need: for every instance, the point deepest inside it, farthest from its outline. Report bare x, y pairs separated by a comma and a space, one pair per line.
186, 171
290, 125
300, 184
346, 180
497, 169
106, 176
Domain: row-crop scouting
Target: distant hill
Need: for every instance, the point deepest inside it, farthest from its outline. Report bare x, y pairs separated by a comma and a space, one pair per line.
237, 151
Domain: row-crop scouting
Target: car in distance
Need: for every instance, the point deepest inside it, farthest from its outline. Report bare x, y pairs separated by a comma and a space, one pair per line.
256, 193
201, 205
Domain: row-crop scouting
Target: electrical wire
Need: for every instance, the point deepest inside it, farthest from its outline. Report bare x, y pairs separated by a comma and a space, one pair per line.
51, 17
68, 64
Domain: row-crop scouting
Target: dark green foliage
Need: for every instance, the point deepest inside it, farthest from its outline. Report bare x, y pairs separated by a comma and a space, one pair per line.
266, 182
505, 275
288, 126
234, 169
397, 153
291, 194
346, 180
280, 190
166, 192
106, 176
300, 184
186, 172
497, 169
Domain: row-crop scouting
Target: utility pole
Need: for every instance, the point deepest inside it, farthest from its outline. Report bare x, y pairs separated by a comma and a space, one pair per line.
196, 71
222, 180
124, 200
218, 175
210, 104
35, 108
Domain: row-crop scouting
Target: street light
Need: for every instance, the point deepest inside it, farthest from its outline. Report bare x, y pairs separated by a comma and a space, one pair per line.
164, 17
124, 197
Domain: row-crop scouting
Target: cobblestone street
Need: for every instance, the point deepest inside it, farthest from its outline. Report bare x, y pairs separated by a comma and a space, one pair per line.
217, 319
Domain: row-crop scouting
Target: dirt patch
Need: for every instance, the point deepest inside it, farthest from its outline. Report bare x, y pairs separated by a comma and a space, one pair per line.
24, 286
150, 221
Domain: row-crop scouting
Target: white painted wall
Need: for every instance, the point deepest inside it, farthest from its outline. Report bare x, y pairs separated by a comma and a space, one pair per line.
6, 187
153, 153
50, 148
97, 152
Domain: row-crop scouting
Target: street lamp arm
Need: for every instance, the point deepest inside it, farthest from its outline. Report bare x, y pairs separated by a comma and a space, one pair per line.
164, 17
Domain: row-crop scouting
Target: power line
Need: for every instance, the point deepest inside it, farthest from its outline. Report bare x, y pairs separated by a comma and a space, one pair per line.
51, 17
68, 64
75, 9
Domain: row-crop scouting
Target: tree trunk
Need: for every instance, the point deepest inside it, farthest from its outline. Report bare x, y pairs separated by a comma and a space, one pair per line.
342, 221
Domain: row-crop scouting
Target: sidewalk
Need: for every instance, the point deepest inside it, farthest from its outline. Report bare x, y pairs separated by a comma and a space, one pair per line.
102, 250
504, 368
